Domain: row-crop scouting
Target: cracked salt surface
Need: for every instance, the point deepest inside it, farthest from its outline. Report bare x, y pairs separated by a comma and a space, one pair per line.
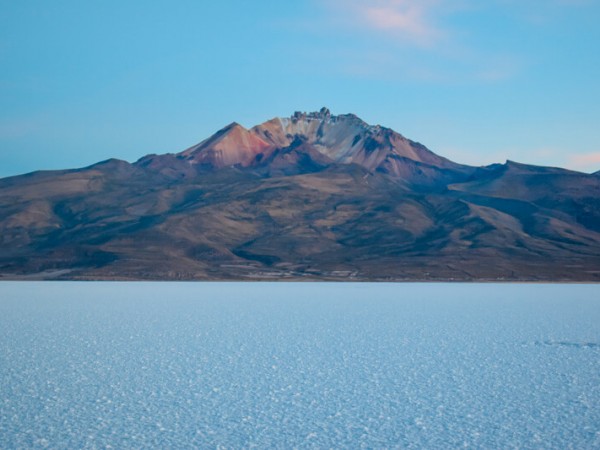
188, 365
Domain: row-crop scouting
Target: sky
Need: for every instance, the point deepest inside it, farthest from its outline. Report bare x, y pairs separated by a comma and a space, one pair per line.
477, 81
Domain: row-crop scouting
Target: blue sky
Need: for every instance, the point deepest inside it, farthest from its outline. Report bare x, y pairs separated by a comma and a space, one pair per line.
476, 81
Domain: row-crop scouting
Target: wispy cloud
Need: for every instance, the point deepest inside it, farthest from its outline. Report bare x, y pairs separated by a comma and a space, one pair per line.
423, 32
584, 161
559, 157
408, 20
405, 21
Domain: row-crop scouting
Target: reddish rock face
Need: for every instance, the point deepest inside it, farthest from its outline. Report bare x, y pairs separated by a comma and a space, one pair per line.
343, 139
233, 145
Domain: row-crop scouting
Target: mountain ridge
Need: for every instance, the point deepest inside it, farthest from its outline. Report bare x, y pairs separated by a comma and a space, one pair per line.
314, 196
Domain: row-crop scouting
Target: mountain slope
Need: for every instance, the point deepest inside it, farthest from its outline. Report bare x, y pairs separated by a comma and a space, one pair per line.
313, 196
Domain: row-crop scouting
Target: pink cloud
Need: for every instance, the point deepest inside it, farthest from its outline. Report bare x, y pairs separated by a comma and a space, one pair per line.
411, 21
419, 26
585, 161
406, 19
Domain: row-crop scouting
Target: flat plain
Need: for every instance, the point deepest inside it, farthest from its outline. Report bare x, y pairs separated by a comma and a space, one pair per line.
306, 365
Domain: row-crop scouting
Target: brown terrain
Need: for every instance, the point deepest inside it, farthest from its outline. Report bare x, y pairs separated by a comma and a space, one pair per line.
310, 197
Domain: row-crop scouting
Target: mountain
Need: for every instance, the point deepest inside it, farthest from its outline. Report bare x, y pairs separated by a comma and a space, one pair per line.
317, 140
312, 196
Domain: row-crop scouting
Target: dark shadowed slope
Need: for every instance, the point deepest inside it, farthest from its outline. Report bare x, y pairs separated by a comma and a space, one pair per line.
312, 196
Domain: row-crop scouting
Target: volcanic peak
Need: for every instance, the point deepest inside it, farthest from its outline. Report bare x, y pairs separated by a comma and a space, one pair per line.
342, 139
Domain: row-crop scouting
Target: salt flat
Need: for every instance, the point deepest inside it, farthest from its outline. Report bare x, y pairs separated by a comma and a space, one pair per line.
186, 365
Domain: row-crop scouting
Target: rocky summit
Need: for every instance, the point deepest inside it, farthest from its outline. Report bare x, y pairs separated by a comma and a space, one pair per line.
314, 196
